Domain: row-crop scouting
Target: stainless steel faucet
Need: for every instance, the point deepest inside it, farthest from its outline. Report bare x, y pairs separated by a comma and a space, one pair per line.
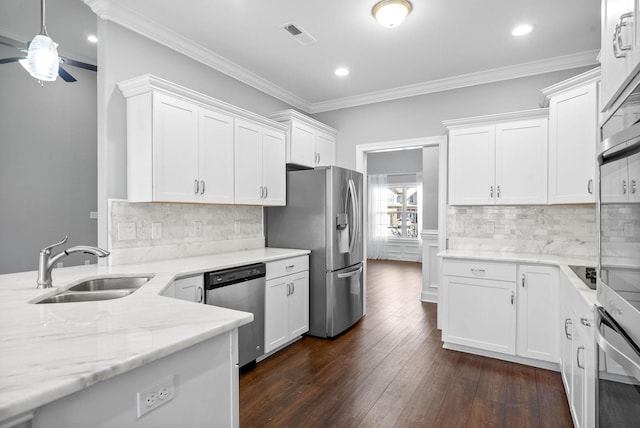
46, 262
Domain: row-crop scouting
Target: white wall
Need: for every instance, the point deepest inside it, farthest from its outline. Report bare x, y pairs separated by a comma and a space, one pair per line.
395, 162
47, 165
422, 116
430, 170
124, 54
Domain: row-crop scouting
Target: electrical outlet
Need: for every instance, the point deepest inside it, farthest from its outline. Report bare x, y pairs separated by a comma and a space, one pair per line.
153, 397
156, 230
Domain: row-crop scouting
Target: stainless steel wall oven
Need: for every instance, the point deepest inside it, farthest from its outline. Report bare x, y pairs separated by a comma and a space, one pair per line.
618, 287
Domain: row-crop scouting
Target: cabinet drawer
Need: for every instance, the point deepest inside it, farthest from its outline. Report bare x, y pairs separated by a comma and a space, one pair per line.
480, 269
287, 266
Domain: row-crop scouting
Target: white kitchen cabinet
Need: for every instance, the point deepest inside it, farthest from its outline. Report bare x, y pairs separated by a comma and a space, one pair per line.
538, 294
620, 53
480, 305
260, 172
183, 146
189, 288
286, 301
178, 151
577, 354
573, 135
310, 143
498, 159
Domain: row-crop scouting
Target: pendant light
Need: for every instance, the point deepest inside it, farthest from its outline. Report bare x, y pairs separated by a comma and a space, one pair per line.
42, 56
391, 13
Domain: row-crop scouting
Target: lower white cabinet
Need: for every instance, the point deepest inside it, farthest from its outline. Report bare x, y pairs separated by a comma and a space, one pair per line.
577, 356
537, 335
286, 301
488, 307
189, 288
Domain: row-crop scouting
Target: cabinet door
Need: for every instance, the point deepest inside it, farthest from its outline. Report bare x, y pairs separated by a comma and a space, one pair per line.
190, 288
302, 144
566, 347
276, 315
215, 168
175, 149
299, 304
472, 166
480, 313
274, 168
573, 130
248, 163
521, 162
325, 149
617, 63
538, 296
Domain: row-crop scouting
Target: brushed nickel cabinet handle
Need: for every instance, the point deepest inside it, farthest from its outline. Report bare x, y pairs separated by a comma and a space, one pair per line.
196, 187
202, 187
523, 279
567, 323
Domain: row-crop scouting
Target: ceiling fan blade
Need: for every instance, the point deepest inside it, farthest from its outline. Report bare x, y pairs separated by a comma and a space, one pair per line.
65, 75
8, 60
11, 43
90, 67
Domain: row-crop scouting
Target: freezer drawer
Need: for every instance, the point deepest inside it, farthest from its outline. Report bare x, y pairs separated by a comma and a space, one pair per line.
344, 299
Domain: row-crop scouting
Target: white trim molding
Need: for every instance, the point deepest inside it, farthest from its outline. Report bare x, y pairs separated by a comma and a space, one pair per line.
120, 14
558, 88
430, 268
497, 118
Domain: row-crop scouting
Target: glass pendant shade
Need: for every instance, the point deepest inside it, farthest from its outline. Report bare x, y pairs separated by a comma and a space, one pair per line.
391, 13
42, 58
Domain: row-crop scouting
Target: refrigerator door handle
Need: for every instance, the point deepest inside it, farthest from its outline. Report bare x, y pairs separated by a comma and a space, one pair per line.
350, 274
354, 215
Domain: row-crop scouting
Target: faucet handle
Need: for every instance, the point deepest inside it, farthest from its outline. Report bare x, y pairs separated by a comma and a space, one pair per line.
48, 248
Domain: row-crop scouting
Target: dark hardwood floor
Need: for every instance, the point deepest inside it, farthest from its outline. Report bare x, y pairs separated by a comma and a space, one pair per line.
390, 370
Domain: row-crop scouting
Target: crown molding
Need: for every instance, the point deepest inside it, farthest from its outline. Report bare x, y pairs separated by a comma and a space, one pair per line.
497, 118
148, 83
138, 23
119, 13
289, 115
565, 85
582, 59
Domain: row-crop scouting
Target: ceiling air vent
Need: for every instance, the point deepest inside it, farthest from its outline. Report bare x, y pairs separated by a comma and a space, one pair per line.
299, 34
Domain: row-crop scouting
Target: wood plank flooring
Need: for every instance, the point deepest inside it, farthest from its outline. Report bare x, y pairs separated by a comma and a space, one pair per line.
390, 370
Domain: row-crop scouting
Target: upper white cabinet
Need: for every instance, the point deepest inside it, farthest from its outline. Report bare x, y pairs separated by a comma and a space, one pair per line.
573, 135
620, 48
260, 172
499, 159
183, 146
310, 143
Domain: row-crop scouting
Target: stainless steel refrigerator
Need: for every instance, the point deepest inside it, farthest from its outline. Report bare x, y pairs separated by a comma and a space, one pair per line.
324, 214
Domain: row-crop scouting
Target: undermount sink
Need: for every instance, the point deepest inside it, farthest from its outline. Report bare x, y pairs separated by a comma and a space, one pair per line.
89, 296
120, 283
99, 289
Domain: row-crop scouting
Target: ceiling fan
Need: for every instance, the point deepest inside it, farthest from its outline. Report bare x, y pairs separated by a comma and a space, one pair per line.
42, 60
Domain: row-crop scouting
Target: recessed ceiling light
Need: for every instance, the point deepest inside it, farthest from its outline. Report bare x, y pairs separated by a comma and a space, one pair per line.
391, 13
91, 38
341, 72
521, 30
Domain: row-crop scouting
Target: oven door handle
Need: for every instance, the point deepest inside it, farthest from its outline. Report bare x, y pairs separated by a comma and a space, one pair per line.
620, 357
625, 362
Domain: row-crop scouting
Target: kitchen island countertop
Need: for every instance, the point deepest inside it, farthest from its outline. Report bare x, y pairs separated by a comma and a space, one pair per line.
48, 351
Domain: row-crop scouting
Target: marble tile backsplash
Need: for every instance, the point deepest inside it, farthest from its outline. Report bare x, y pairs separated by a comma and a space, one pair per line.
555, 230
140, 232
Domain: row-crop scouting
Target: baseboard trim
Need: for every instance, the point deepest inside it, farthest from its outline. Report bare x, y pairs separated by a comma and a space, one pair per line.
511, 358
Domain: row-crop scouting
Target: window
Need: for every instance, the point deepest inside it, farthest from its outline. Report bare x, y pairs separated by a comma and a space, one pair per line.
402, 211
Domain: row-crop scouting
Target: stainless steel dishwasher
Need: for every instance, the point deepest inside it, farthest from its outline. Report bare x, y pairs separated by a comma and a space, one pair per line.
241, 288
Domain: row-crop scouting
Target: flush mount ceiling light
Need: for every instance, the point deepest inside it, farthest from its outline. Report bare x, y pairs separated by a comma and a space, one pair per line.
341, 72
391, 13
522, 30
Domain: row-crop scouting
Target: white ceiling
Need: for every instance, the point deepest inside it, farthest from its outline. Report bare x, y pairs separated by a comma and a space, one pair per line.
442, 39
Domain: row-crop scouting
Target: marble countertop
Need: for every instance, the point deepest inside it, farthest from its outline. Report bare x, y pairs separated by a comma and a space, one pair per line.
563, 262
48, 351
